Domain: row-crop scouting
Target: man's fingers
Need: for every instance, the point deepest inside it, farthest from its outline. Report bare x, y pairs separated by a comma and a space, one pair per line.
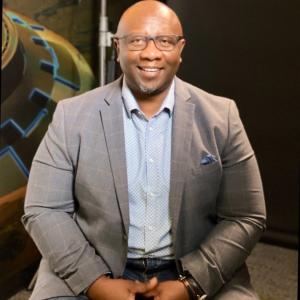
152, 283
142, 288
151, 287
138, 287
152, 293
131, 296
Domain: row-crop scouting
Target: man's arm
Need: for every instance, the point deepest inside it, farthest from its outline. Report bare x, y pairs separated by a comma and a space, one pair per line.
49, 208
240, 211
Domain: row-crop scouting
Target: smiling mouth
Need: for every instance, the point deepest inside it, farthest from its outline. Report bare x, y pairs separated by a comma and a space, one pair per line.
149, 69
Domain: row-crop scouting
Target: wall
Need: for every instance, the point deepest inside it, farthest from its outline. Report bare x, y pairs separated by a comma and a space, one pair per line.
248, 51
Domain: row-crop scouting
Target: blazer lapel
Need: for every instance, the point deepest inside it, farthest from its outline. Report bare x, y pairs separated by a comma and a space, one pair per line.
181, 143
111, 113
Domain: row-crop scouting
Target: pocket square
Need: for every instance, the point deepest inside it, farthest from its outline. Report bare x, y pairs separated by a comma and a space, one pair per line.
208, 159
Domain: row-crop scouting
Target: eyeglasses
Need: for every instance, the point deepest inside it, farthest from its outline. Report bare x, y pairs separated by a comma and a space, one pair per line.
140, 42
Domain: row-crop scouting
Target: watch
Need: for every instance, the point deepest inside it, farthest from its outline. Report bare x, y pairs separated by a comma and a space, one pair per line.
194, 290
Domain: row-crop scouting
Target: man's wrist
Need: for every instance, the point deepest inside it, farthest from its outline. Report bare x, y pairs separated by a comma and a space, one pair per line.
184, 280
106, 275
193, 288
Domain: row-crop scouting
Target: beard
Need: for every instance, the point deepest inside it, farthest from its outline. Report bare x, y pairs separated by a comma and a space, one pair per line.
149, 91
152, 89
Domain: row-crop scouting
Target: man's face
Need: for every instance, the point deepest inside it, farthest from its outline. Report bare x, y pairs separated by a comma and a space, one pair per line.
149, 71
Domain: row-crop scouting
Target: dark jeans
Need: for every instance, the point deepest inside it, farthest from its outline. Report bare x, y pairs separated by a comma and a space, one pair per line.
142, 270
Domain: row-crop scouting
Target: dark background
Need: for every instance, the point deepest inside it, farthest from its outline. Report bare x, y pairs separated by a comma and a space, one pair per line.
249, 51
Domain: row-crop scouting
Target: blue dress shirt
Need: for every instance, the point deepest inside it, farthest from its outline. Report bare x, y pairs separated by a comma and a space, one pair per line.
148, 157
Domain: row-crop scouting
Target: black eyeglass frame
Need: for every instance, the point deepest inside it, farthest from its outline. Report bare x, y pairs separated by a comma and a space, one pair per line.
150, 38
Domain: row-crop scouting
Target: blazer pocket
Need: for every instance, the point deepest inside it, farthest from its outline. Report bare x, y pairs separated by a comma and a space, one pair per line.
206, 169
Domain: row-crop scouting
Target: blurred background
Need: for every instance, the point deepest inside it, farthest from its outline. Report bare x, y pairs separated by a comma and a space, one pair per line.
245, 50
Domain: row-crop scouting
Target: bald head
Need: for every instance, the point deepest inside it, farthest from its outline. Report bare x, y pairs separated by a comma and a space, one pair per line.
145, 11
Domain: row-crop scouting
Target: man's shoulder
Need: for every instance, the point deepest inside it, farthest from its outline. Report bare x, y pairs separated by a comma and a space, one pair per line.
206, 104
91, 99
199, 95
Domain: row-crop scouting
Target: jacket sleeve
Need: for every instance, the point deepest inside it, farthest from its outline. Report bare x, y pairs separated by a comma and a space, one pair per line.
240, 212
49, 210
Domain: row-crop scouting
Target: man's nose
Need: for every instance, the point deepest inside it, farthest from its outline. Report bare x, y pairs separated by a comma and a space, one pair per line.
151, 52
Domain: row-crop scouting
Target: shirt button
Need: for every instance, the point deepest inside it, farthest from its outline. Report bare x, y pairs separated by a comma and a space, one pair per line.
151, 160
151, 128
150, 228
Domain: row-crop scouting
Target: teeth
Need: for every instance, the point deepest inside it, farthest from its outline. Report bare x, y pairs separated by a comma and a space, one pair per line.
150, 69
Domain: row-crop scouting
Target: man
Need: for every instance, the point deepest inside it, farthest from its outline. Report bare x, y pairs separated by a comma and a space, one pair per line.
146, 188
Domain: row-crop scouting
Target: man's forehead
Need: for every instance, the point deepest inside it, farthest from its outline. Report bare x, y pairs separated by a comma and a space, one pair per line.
149, 16
149, 25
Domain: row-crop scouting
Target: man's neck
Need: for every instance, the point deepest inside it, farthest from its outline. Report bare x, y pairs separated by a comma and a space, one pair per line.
150, 104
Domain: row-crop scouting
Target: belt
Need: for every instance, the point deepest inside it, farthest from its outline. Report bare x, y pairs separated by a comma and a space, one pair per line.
149, 265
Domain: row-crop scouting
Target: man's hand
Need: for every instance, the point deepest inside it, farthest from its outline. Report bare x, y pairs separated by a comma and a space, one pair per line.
168, 290
105, 288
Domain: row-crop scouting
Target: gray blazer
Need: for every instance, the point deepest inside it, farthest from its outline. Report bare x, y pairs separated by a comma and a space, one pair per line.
76, 207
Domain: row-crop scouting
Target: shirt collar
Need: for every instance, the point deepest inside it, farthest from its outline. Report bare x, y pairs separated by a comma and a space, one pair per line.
131, 104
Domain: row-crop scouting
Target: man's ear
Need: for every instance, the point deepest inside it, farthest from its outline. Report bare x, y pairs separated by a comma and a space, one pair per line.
182, 44
116, 45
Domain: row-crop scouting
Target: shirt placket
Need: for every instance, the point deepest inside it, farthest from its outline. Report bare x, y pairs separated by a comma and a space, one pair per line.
151, 186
